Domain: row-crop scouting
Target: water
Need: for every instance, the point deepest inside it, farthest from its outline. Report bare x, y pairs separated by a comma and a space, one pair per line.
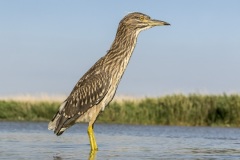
26, 140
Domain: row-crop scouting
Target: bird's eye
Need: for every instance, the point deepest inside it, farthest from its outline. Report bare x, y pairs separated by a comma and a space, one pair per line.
141, 18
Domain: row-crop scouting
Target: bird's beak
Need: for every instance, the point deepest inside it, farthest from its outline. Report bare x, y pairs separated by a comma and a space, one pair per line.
154, 22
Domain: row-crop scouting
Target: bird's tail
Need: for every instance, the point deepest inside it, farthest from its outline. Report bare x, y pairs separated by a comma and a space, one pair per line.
54, 123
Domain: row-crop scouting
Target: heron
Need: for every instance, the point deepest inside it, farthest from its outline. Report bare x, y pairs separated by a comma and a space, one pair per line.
97, 87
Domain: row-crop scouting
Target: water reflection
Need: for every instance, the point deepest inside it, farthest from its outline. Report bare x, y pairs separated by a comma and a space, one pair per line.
57, 158
92, 156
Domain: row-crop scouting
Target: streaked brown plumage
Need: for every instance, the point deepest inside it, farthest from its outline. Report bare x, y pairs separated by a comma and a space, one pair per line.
98, 85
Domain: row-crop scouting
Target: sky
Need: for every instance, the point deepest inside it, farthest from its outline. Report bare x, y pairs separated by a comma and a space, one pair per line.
46, 46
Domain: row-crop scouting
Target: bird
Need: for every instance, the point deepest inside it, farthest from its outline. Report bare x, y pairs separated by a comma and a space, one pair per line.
97, 87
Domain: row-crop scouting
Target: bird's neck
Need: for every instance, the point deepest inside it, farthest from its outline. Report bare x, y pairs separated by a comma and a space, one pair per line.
119, 55
122, 48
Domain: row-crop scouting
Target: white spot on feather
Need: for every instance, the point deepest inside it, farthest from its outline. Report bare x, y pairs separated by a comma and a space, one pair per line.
62, 106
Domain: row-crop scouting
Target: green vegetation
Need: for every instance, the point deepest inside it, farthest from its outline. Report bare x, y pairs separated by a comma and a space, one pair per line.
189, 110
27, 111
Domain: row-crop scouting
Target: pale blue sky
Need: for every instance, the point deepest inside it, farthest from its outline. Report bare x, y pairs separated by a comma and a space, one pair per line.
47, 45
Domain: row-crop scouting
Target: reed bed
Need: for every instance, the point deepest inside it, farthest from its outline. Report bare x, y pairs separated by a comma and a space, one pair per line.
178, 109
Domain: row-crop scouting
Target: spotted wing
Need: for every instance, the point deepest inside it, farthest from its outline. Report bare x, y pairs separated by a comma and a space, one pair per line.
87, 93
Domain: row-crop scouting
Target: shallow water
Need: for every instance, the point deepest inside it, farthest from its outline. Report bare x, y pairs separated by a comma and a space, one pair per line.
26, 140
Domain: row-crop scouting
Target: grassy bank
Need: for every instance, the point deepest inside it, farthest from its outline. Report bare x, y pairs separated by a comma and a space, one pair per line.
189, 110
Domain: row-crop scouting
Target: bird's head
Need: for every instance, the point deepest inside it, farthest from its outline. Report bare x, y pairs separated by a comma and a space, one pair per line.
139, 21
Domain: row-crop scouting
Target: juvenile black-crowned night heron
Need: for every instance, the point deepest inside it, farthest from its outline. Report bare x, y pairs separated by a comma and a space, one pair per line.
98, 85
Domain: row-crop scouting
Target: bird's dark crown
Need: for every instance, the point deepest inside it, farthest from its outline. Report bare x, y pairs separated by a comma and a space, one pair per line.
135, 19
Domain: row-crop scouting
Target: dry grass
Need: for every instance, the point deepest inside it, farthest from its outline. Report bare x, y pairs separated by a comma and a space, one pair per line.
34, 98
56, 98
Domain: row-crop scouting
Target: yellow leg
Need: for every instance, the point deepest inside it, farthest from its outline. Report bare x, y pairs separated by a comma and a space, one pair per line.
92, 139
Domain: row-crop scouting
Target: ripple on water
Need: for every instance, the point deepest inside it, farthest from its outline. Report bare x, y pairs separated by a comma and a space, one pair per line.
33, 141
